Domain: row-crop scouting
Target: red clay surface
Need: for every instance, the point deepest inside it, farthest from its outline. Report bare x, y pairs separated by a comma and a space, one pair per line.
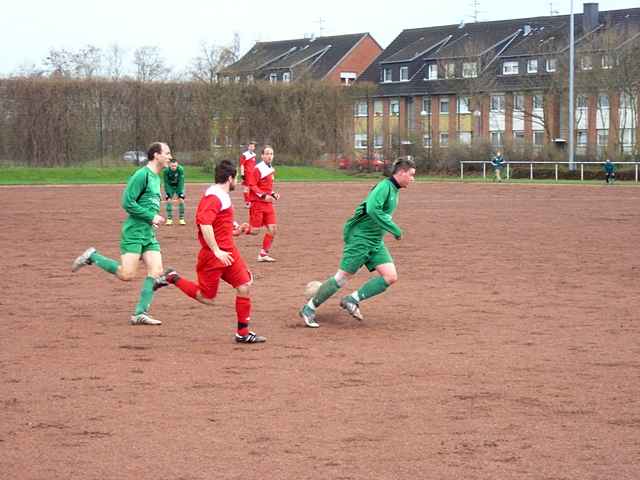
508, 349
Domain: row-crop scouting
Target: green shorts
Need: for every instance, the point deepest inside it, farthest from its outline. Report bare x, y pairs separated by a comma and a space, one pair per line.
357, 253
138, 237
170, 192
136, 246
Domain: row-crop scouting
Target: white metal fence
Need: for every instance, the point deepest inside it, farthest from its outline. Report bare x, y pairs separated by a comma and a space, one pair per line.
580, 165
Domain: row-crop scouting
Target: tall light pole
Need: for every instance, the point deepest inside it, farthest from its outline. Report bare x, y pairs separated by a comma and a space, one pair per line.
571, 100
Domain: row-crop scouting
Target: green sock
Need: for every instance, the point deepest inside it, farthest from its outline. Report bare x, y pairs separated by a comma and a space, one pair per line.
328, 288
146, 296
181, 210
169, 210
372, 287
105, 263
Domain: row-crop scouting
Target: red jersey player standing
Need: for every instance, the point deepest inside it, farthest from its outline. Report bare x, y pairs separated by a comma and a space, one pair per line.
247, 163
219, 258
263, 213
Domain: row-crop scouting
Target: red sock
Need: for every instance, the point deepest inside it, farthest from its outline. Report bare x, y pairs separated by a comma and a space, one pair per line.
243, 312
266, 242
187, 286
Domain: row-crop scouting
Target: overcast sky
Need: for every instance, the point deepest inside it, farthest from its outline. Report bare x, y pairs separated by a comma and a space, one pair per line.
29, 28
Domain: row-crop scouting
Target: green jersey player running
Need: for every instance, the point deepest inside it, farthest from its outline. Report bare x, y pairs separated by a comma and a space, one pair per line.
141, 200
364, 245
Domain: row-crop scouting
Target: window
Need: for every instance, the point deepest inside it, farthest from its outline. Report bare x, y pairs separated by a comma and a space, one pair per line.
226, 80
538, 139
586, 63
273, 78
426, 141
551, 64
361, 140
464, 137
607, 62
361, 109
582, 138
249, 78
518, 102
469, 70
603, 137
532, 65
378, 108
463, 104
497, 103
538, 102
404, 74
581, 101
510, 68
518, 137
444, 105
444, 139
450, 72
347, 78
603, 100
432, 71
496, 139
236, 79
286, 77
625, 100
394, 108
426, 105
628, 136
386, 75
377, 141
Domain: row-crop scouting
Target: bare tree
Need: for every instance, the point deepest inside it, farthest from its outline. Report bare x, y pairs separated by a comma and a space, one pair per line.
29, 70
87, 62
212, 58
149, 64
59, 63
114, 59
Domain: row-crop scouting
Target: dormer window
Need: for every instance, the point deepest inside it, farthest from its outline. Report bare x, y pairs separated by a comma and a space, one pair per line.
450, 72
404, 74
432, 71
585, 63
286, 77
386, 75
273, 78
607, 62
510, 68
249, 78
469, 69
552, 64
532, 65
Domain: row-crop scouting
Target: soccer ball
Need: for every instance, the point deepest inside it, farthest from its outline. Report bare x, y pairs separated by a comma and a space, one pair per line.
311, 289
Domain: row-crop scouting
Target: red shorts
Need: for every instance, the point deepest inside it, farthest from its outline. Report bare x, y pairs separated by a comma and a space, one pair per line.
262, 214
211, 270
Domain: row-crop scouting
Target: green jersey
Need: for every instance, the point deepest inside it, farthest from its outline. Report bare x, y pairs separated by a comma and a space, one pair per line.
373, 217
174, 179
141, 200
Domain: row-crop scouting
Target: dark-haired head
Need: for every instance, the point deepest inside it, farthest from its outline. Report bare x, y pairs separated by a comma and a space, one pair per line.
155, 147
224, 170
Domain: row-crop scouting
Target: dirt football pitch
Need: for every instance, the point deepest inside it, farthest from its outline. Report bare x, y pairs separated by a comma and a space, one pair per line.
508, 349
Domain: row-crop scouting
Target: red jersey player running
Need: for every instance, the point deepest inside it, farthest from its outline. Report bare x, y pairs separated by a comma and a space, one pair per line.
263, 213
219, 258
247, 163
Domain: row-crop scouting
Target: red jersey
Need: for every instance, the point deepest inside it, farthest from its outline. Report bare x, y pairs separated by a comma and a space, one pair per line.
215, 209
261, 181
247, 164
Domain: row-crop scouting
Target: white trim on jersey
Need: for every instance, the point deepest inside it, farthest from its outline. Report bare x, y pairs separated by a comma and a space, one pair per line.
225, 199
264, 169
248, 155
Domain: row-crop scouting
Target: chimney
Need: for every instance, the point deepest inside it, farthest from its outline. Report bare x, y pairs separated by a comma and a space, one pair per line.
590, 17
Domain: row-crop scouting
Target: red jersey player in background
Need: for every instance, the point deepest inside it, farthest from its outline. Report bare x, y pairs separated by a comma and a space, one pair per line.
219, 258
262, 212
247, 163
